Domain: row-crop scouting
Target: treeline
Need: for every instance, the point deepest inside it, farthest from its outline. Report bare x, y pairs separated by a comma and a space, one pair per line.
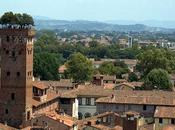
154, 66
50, 54
47, 42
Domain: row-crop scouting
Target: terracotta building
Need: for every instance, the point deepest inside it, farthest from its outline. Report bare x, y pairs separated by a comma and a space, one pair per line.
16, 75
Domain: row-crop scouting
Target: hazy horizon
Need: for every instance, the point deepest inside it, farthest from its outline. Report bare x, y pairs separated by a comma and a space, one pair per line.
94, 10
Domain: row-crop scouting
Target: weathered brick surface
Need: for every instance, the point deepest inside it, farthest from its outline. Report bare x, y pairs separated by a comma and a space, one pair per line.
16, 75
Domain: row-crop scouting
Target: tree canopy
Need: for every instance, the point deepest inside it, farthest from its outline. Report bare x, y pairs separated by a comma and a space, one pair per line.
11, 19
158, 79
109, 68
132, 77
46, 65
156, 58
79, 68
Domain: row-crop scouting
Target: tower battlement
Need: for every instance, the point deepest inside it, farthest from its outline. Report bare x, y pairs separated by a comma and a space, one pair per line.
17, 32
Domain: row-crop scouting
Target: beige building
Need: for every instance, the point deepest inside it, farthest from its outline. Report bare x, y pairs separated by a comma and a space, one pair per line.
143, 102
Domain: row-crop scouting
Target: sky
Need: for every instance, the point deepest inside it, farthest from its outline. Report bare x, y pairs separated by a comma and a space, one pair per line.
100, 10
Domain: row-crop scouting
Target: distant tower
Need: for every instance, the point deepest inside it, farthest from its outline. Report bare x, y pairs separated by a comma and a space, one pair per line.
16, 75
129, 41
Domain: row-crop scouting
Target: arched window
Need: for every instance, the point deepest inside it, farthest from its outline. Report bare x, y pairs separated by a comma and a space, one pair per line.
86, 115
80, 115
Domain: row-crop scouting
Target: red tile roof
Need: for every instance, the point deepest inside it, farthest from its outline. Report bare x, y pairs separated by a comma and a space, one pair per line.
40, 85
84, 122
66, 119
140, 97
165, 112
126, 84
50, 97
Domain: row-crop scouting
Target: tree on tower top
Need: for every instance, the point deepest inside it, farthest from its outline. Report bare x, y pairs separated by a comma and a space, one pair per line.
11, 20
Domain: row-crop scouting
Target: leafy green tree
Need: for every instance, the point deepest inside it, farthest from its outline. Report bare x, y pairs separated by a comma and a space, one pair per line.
8, 18
158, 79
107, 68
132, 77
79, 68
23, 20
19, 19
27, 20
46, 65
155, 59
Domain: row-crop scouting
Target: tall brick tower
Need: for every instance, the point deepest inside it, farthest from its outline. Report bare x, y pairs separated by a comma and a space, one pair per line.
16, 49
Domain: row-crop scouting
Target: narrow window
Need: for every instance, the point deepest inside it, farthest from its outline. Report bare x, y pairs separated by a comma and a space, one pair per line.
28, 115
160, 120
88, 101
116, 107
144, 107
13, 53
7, 52
8, 38
12, 96
80, 101
6, 111
18, 74
8, 73
129, 107
173, 121
20, 52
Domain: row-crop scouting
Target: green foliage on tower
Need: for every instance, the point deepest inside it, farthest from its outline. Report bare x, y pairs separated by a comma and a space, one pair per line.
11, 19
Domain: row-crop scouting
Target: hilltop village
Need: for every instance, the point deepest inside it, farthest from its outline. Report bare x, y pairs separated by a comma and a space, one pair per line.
84, 93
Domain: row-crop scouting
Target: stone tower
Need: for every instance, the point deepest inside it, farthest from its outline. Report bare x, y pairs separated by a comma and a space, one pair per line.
16, 49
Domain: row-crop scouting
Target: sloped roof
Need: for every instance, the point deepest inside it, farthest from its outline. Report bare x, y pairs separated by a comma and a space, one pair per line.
5, 127
165, 112
140, 97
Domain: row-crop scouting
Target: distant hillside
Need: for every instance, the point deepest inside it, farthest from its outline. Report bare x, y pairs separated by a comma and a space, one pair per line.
152, 23
94, 26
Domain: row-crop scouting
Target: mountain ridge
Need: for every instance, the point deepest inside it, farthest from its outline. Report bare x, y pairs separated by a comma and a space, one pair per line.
83, 25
